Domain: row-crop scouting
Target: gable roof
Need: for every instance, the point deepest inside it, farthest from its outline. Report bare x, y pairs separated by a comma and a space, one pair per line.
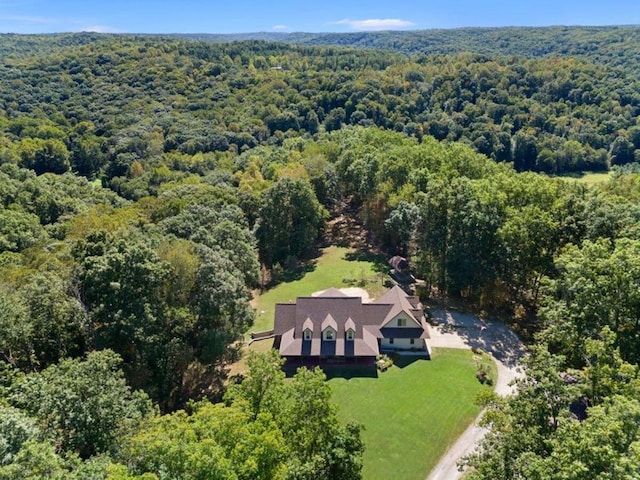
307, 324
329, 322
291, 346
399, 263
401, 302
349, 324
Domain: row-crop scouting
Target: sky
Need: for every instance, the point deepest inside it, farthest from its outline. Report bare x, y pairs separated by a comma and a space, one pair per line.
240, 16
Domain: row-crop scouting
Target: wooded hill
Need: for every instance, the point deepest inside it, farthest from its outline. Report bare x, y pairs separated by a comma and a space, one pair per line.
610, 45
552, 114
147, 184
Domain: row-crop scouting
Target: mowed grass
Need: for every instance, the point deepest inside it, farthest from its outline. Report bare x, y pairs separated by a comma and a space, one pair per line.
332, 269
413, 414
590, 178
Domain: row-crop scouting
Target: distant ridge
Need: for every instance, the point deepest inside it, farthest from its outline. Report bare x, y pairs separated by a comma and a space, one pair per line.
520, 41
607, 45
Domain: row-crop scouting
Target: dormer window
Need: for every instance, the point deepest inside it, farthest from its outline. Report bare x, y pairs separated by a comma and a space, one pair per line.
307, 329
351, 334
329, 334
402, 322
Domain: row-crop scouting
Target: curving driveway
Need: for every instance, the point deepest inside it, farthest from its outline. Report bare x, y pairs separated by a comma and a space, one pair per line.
462, 330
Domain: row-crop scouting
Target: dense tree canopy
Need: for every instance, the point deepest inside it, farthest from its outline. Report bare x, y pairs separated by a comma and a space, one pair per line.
291, 219
81, 404
570, 112
147, 184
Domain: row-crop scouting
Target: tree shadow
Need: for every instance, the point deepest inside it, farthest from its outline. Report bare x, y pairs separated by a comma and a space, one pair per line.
291, 273
379, 260
491, 336
298, 272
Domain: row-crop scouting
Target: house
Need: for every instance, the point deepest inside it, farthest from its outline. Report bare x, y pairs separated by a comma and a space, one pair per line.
336, 328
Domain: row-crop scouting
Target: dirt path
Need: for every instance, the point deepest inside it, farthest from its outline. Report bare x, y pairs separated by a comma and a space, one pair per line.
460, 330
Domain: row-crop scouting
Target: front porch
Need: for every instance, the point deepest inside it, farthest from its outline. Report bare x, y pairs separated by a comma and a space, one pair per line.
404, 347
346, 367
321, 361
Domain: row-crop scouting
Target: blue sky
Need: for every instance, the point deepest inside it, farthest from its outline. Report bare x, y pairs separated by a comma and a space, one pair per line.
233, 16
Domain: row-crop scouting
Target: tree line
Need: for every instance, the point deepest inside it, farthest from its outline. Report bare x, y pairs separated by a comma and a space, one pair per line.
614, 45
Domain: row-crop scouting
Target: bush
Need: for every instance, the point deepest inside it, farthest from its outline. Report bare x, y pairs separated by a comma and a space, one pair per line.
383, 362
483, 376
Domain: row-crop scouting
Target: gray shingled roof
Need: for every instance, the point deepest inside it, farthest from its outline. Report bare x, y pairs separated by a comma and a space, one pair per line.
401, 302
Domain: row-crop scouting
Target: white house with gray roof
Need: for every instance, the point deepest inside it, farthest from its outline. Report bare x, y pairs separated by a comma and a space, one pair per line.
334, 327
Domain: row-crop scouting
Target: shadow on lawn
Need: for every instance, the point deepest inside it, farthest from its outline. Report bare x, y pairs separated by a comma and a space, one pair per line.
402, 361
298, 272
291, 273
379, 260
350, 372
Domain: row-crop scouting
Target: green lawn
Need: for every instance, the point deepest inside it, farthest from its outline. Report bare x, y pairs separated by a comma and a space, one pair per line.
413, 414
590, 178
332, 269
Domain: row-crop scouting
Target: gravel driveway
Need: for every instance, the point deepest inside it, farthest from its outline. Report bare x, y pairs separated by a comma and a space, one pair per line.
462, 330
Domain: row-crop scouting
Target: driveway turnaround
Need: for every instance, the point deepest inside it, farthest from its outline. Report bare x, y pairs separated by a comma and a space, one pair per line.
461, 330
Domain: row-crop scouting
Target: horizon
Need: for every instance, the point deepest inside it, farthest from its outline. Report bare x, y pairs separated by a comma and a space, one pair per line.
329, 32
288, 16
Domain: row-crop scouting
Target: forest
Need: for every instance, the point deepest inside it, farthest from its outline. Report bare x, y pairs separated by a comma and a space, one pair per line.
614, 45
149, 183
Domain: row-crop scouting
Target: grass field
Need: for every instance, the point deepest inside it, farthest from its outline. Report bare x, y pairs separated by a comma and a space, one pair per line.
413, 414
333, 269
240, 367
590, 178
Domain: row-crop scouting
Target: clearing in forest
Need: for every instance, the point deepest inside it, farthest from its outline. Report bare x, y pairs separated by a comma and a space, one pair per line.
411, 414
337, 267
589, 178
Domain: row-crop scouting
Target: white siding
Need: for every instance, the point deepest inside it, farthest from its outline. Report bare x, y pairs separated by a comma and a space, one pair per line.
409, 322
401, 343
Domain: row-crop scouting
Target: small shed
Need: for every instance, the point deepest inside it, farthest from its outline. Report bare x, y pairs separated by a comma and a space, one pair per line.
399, 264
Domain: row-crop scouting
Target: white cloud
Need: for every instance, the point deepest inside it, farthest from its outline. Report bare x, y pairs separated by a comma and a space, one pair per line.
376, 24
99, 29
280, 27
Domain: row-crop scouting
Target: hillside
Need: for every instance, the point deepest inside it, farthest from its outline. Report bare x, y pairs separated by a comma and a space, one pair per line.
616, 45
550, 114
149, 184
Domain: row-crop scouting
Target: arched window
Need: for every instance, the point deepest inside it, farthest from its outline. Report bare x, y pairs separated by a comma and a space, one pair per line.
307, 334
351, 334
